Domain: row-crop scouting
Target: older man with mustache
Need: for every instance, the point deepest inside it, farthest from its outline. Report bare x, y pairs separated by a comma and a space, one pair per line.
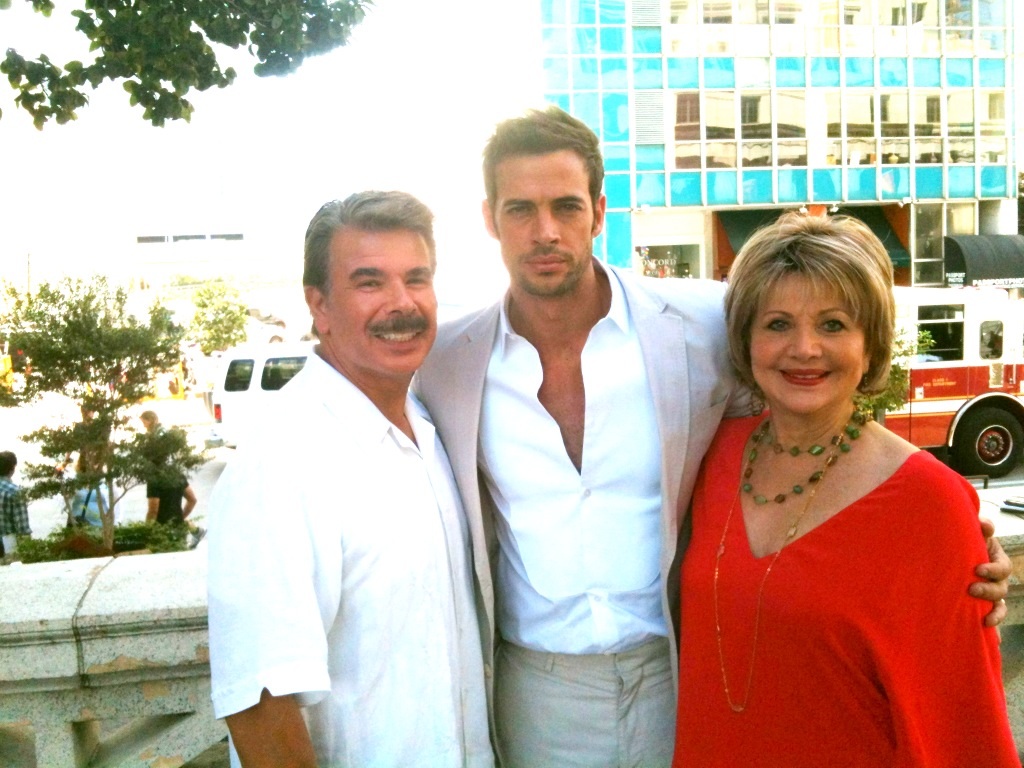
339, 565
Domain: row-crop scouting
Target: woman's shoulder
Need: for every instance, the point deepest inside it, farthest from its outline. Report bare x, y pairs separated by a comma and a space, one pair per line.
733, 434
917, 474
740, 427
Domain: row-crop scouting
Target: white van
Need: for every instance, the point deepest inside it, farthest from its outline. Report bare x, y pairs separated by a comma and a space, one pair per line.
247, 379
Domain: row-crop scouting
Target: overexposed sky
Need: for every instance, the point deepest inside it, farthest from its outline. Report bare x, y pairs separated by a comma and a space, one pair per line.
407, 105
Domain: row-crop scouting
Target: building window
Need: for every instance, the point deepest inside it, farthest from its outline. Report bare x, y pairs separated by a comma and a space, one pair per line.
959, 218
719, 115
789, 12
857, 29
791, 107
928, 151
960, 114
717, 11
721, 154
833, 114
755, 116
753, 12
792, 153
928, 266
860, 115
895, 151
687, 116
927, 114
893, 111
960, 150
757, 153
861, 152
683, 12
992, 151
996, 107
688, 155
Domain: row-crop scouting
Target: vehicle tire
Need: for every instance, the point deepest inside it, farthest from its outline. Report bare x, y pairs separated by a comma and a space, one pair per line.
988, 441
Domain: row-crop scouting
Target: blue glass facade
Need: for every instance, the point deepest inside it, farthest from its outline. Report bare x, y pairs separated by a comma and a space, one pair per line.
711, 105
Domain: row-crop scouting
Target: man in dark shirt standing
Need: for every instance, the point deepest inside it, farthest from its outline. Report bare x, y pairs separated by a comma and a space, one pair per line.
165, 498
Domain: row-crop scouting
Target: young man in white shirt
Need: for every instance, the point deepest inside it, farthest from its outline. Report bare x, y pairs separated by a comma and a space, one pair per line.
342, 625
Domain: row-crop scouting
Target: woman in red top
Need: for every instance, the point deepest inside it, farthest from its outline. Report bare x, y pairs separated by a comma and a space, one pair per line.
825, 586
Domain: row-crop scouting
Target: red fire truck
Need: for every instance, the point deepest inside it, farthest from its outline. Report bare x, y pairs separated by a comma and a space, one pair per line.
965, 400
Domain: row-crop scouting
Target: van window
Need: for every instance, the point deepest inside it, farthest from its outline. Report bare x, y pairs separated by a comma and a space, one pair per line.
239, 375
279, 371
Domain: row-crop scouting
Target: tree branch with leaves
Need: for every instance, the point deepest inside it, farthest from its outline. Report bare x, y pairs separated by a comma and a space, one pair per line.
163, 50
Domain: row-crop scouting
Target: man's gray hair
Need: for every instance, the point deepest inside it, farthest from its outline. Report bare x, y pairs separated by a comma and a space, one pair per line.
371, 211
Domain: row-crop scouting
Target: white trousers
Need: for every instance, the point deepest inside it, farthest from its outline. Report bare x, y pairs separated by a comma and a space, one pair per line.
588, 711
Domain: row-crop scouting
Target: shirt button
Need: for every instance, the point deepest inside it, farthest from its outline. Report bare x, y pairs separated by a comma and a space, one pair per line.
487, 671
586, 494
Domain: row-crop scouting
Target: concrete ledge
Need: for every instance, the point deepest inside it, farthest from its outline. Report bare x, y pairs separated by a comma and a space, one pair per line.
108, 640
105, 661
1014, 546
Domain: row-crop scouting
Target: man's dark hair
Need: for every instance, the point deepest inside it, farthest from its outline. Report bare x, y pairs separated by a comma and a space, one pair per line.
371, 211
8, 461
539, 132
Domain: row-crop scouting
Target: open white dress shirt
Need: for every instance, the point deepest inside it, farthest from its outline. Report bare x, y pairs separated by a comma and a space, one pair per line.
578, 569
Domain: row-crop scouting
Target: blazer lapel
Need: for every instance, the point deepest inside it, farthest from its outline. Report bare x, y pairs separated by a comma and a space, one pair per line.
459, 376
663, 342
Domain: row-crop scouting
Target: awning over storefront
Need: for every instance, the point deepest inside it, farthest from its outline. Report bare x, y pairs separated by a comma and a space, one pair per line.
874, 217
740, 225
985, 260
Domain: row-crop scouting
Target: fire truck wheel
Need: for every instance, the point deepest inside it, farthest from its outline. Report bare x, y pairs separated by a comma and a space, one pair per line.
988, 442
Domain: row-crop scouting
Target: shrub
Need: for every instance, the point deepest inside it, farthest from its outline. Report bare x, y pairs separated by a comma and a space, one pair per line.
78, 542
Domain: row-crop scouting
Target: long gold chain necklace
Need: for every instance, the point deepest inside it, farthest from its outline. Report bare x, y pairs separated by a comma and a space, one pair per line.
839, 445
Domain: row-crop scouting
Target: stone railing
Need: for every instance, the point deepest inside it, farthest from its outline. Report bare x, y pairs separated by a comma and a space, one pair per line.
1013, 640
104, 662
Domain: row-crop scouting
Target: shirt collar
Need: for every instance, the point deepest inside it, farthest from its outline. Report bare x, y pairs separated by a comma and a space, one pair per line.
341, 395
618, 311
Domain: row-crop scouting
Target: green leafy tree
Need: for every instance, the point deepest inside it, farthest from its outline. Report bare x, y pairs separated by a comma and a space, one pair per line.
220, 318
162, 50
894, 396
83, 345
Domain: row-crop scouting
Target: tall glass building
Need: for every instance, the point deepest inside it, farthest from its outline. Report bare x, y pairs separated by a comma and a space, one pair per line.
716, 115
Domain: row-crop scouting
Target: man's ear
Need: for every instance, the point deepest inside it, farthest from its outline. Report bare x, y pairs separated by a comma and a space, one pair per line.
599, 210
489, 222
317, 303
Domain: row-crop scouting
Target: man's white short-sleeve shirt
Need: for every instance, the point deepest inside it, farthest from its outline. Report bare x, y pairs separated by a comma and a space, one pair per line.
339, 571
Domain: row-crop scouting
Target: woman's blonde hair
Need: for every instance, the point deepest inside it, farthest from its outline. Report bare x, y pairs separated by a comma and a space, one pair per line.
836, 254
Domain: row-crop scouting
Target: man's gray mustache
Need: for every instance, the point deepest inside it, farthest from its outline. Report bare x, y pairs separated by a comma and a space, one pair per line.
401, 324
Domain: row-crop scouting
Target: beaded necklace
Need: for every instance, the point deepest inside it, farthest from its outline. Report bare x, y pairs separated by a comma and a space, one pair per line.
839, 445
838, 442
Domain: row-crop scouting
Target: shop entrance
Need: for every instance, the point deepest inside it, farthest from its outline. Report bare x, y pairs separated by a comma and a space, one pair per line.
670, 260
